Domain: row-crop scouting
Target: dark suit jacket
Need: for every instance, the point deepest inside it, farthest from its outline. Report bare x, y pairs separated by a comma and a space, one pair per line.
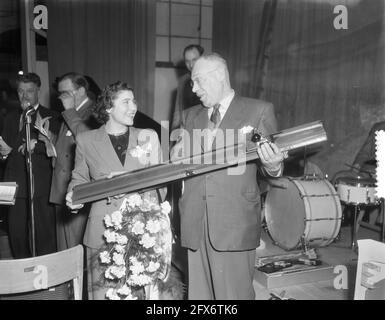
74, 123
16, 166
185, 98
233, 201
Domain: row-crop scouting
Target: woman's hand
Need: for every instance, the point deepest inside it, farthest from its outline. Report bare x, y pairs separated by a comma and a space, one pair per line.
74, 207
115, 173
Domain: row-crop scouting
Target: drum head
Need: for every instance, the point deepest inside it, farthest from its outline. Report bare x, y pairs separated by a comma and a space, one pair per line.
365, 182
285, 215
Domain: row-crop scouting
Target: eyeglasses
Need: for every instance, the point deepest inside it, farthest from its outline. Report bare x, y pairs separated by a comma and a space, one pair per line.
65, 93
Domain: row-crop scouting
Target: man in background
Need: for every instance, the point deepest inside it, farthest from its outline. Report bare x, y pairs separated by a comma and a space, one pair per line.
77, 117
43, 120
185, 97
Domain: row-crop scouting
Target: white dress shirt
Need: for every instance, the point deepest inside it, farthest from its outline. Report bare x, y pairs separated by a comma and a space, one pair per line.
224, 106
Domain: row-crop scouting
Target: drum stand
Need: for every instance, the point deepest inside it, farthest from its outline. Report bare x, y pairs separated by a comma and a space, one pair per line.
357, 210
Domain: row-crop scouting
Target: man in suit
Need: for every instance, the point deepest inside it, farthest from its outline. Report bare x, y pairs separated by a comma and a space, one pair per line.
14, 135
185, 98
77, 117
220, 211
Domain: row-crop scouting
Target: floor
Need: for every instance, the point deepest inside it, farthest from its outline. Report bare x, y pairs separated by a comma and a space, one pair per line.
338, 253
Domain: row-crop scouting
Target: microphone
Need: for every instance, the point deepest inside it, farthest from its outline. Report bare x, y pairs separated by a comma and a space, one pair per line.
28, 109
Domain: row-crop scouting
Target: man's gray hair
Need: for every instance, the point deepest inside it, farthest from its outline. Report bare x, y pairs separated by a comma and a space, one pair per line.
217, 60
214, 58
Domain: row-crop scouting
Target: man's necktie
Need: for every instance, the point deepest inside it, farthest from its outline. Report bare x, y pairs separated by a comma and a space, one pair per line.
21, 121
216, 115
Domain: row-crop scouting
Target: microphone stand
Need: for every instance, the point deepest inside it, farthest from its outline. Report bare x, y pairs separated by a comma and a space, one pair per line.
31, 190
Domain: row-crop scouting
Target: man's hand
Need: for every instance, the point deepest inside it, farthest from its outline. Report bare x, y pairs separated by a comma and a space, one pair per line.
5, 149
24, 146
74, 207
68, 100
271, 156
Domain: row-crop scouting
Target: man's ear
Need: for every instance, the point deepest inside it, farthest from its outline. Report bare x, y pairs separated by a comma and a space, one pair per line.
220, 74
82, 91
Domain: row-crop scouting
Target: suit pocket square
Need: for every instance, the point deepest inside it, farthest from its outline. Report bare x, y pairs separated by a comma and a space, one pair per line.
69, 133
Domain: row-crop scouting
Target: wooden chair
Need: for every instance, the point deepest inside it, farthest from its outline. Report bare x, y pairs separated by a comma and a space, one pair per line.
43, 272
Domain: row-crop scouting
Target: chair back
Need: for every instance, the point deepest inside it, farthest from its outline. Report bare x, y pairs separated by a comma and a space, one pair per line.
43, 272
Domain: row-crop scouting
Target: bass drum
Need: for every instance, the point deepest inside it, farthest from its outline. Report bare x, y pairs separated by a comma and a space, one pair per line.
302, 209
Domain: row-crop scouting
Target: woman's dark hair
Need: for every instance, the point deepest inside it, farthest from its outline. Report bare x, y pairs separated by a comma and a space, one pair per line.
106, 98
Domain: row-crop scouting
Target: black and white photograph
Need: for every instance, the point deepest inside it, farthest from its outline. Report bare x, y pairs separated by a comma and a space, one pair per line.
190, 151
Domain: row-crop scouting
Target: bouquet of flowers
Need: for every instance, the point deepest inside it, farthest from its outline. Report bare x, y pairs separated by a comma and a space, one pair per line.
138, 253
45, 135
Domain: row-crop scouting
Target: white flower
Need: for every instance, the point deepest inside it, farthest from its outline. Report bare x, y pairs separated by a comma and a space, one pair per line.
139, 280
117, 219
137, 267
166, 208
112, 295
110, 236
164, 224
133, 260
137, 152
118, 271
118, 259
138, 227
147, 241
147, 147
124, 290
153, 266
121, 239
108, 273
146, 205
119, 248
247, 129
134, 200
158, 249
140, 151
153, 226
105, 257
108, 221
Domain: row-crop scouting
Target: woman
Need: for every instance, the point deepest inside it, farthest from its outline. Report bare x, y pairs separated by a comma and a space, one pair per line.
103, 153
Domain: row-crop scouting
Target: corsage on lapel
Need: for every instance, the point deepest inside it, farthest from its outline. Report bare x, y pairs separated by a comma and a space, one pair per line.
246, 133
142, 153
42, 125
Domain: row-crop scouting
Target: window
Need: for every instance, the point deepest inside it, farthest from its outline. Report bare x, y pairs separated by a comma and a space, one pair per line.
180, 23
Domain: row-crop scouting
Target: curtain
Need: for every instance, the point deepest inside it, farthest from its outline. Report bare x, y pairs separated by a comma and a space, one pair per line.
107, 41
314, 71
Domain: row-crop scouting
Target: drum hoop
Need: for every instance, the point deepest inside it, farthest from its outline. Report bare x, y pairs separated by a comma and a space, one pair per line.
357, 185
308, 227
269, 216
308, 209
